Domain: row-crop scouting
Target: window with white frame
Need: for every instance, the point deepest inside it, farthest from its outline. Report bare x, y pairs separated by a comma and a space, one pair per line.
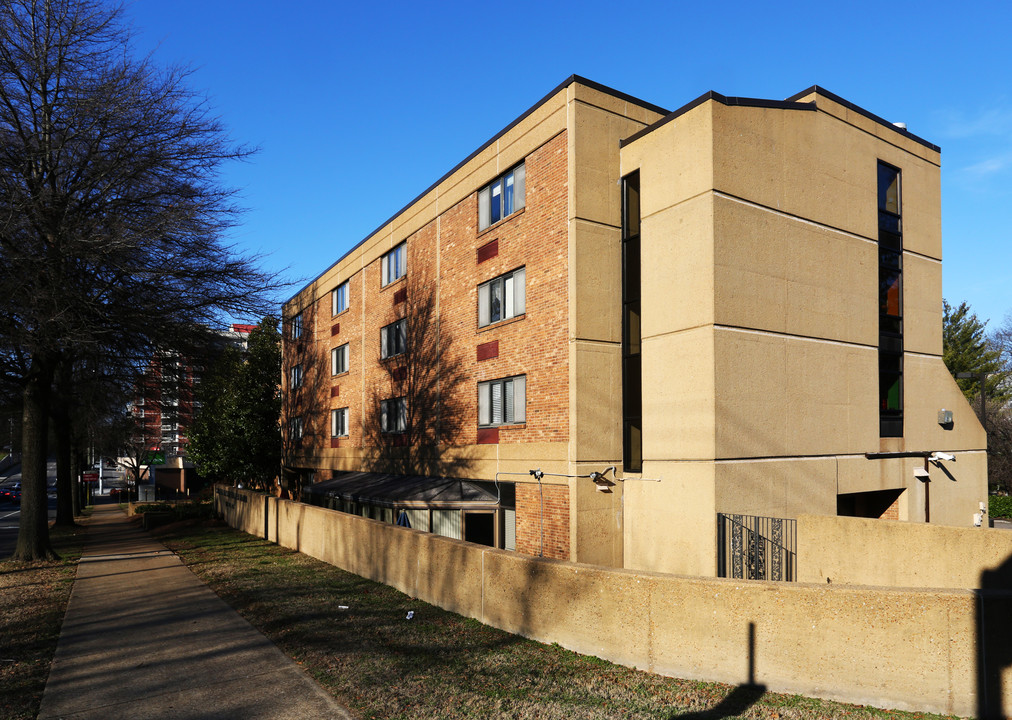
394, 264
393, 338
296, 327
339, 360
502, 402
295, 428
502, 197
339, 422
502, 298
296, 376
394, 415
339, 299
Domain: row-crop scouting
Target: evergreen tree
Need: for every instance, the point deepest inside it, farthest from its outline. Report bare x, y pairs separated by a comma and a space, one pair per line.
236, 437
967, 349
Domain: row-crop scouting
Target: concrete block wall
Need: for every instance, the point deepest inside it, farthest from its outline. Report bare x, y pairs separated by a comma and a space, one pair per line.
905, 648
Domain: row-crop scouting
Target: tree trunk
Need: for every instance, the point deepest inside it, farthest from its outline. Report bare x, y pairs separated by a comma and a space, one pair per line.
33, 534
75, 474
64, 476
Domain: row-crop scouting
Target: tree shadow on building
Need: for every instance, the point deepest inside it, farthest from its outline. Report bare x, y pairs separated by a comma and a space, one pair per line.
429, 376
994, 639
739, 700
306, 385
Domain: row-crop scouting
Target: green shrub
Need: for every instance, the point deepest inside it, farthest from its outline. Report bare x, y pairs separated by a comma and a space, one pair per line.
1000, 506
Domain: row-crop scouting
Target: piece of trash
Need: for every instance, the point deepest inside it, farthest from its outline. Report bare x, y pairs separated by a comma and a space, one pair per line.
342, 607
411, 614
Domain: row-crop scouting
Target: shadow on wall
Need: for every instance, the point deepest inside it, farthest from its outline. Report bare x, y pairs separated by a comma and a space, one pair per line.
740, 699
417, 436
307, 389
994, 639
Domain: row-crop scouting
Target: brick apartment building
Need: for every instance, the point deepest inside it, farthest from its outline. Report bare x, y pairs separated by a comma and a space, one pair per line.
165, 407
737, 305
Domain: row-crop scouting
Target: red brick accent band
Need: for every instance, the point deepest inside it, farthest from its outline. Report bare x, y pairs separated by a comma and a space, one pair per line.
489, 350
488, 436
488, 251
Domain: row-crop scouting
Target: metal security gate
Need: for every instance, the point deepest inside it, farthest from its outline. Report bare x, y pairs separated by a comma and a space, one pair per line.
750, 547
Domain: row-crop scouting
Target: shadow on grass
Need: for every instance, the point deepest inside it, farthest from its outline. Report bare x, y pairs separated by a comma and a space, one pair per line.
736, 703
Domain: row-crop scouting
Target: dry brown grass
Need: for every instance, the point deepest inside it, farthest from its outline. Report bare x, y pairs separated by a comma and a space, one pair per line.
441, 665
33, 601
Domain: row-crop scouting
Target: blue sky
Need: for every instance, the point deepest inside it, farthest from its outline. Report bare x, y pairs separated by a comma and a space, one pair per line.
358, 107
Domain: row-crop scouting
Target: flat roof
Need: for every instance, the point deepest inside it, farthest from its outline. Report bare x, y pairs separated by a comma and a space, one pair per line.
564, 84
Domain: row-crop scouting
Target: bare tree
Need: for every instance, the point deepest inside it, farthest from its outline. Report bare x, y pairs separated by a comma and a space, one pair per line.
111, 212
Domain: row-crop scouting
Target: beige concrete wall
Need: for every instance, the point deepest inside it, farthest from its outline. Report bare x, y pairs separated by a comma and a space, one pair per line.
780, 273
781, 396
816, 166
596, 122
670, 518
914, 649
781, 487
860, 551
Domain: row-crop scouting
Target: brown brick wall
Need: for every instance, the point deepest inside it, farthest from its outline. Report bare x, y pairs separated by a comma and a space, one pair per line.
893, 511
554, 521
442, 263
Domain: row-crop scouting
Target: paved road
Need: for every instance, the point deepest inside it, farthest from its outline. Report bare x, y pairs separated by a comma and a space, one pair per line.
10, 515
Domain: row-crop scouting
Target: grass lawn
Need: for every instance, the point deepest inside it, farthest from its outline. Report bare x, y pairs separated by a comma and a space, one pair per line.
33, 601
354, 637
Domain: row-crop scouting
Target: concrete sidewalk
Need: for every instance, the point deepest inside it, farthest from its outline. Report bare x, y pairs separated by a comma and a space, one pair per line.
144, 638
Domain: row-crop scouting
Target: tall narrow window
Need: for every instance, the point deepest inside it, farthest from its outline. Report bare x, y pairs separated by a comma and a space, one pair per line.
502, 197
502, 298
890, 302
502, 402
393, 415
296, 379
632, 374
394, 264
339, 360
339, 299
339, 422
393, 338
296, 327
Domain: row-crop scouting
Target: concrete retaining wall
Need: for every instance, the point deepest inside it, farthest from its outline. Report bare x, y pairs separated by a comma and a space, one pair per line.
916, 649
901, 554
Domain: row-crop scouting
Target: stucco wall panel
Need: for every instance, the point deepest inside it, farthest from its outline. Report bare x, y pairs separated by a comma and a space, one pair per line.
675, 160
670, 521
678, 395
922, 311
778, 273
781, 396
594, 164
598, 519
927, 388
777, 488
814, 166
597, 398
595, 262
677, 267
